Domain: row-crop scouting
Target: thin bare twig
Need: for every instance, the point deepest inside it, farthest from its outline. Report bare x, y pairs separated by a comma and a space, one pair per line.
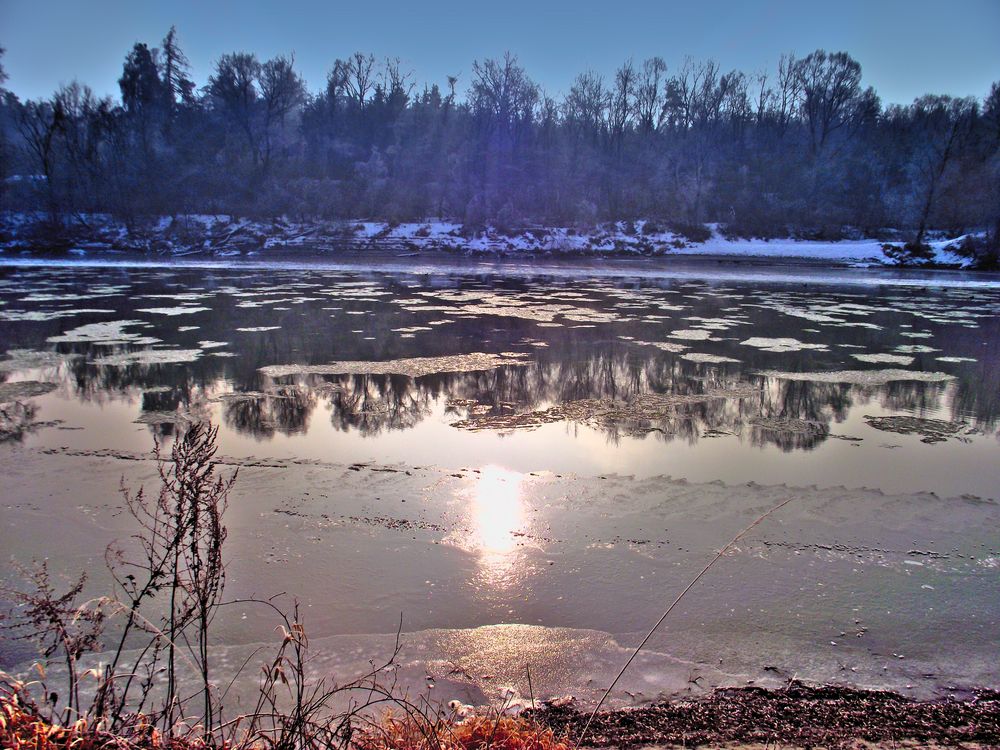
673, 604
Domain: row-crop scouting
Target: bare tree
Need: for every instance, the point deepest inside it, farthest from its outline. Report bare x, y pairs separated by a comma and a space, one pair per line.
39, 122
282, 91
709, 91
649, 94
359, 77
940, 127
830, 86
233, 88
587, 105
621, 101
395, 81
504, 96
788, 94
81, 137
991, 116
764, 99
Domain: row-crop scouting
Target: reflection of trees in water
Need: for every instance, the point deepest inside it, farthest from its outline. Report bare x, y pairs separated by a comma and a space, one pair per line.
620, 374
800, 399
796, 401
919, 398
579, 363
285, 410
980, 398
183, 384
372, 404
786, 440
575, 370
977, 392
369, 404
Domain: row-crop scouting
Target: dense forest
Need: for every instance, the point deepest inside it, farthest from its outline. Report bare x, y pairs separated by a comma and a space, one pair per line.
805, 149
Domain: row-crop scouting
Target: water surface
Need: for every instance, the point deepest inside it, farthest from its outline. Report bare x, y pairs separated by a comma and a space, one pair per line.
569, 475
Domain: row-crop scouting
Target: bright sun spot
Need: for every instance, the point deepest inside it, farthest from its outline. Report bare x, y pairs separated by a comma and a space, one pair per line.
497, 511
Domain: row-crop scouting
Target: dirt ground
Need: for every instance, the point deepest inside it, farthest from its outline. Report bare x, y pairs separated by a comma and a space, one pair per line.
796, 716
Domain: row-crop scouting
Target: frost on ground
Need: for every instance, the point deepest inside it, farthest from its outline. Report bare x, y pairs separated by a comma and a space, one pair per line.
227, 236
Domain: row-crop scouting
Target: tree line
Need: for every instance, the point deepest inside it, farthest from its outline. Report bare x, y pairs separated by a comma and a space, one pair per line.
804, 149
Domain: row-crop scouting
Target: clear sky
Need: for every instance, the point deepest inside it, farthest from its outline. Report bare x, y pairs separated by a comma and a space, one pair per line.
906, 47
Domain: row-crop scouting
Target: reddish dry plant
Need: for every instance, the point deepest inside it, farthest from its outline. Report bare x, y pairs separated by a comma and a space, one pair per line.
474, 733
23, 728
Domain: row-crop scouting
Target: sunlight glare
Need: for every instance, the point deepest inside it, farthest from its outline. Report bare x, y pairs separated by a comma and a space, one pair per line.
497, 512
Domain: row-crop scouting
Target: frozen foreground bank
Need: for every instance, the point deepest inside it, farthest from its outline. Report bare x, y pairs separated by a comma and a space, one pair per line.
843, 586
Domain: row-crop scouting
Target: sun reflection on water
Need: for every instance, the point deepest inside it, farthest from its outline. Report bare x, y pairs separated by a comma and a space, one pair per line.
497, 512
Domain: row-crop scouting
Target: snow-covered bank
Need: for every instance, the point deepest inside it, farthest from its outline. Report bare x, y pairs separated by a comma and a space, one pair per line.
225, 236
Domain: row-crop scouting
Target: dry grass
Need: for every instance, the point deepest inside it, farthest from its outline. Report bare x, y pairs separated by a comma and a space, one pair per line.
22, 728
474, 733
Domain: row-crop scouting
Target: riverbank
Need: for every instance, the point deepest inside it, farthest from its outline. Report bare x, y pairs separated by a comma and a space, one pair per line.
219, 236
795, 716
792, 717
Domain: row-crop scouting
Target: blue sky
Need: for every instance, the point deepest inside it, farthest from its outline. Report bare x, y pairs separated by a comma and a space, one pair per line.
906, 48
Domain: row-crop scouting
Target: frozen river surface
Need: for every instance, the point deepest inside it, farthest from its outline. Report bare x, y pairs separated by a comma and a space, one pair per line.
529, 464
